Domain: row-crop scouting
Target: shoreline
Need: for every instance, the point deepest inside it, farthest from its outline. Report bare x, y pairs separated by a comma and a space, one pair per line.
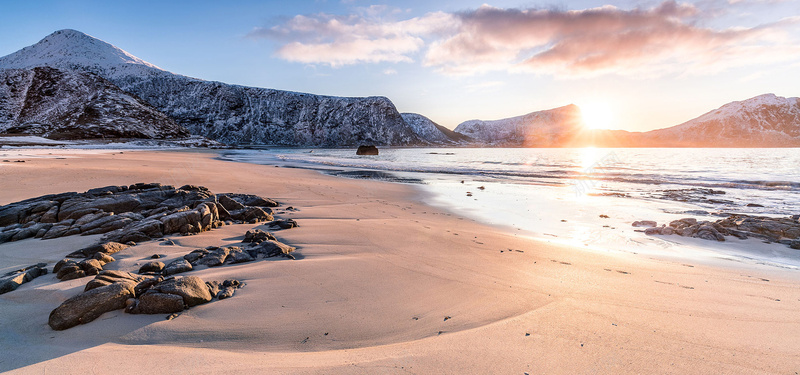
374, 259
584, 220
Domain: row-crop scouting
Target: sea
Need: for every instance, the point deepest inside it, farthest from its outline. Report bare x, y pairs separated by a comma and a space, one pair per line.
585, 197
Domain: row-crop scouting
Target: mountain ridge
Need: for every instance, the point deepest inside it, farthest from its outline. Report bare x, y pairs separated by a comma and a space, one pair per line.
765, 120
233, 114
58, 104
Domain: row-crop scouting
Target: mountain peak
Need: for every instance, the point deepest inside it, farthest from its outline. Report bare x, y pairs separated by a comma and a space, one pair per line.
72, 50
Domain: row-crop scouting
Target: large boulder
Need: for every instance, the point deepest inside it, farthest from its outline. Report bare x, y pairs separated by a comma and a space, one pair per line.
215, 257
257, 236
154, 267
192, 289
154, 302
105, 248
89, 305
177, 266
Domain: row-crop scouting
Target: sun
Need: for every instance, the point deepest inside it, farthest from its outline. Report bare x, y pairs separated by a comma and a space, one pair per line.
597, 115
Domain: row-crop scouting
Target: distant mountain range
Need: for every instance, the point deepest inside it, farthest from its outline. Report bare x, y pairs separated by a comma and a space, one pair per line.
74, 86
763, 121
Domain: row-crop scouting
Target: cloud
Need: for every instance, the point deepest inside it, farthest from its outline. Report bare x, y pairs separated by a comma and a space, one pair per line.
664, 39
365, 37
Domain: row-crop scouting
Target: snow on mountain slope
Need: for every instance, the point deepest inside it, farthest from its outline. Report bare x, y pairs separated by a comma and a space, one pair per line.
70, 105
431, 131
73, 50
227, 113
763, 121
551, 127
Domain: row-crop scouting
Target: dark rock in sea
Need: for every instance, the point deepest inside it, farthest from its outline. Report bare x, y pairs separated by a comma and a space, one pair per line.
367, 150
795, 244
644, 223
89, 305
12, 280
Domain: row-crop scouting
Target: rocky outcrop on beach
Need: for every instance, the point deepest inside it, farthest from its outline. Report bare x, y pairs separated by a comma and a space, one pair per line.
785, 230
65, 105
227, 113
12, 280
132, 213
255, 243
115, 290
136, 213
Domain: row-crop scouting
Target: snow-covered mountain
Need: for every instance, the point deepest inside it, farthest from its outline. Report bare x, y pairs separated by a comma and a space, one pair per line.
228, 113
71, 105
763, 121
433, 132
549, 128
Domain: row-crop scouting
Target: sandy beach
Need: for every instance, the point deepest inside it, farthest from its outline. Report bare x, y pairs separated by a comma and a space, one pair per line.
386, 284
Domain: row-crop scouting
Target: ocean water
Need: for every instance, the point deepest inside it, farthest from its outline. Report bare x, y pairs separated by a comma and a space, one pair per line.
560, 194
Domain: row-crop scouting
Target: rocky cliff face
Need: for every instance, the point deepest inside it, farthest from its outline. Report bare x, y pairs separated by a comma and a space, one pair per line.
228, 113
70, 105
247, 115
432, 132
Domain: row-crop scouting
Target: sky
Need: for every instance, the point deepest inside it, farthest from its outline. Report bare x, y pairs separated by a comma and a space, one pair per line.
640, 65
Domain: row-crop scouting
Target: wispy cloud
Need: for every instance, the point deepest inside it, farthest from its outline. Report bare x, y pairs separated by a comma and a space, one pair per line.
666, 38
369, 36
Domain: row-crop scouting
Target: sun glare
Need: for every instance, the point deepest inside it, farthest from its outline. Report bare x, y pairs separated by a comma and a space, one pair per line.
597, 115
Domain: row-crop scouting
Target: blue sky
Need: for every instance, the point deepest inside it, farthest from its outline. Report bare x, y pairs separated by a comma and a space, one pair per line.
650, 64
